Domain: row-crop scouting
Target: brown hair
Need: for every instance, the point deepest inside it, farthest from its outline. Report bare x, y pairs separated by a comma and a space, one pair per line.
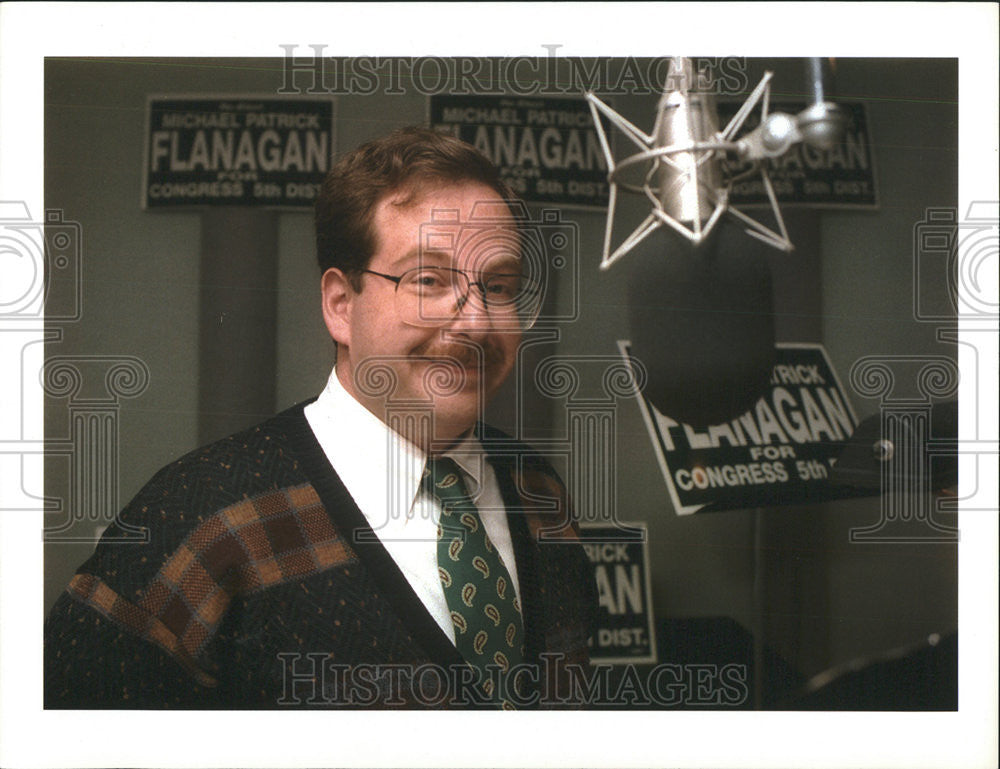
359, 180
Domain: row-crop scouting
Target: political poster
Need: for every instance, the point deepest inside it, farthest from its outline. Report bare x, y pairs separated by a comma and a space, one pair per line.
779, 452
625, 631
840, 177
236, 151
546, 149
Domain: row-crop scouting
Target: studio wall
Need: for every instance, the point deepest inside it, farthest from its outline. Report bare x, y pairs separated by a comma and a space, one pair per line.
789, 575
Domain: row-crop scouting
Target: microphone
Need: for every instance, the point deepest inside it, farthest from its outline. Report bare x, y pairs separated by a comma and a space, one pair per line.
699, 295
701, 308
678, 163
701, 321
689, 182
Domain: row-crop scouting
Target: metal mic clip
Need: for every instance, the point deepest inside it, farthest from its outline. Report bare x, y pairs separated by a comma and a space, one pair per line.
820, 125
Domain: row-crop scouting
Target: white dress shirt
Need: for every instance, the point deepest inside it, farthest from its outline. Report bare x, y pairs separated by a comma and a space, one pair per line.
382, 472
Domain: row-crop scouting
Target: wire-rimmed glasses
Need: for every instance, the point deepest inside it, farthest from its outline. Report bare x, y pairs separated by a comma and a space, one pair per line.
433, 296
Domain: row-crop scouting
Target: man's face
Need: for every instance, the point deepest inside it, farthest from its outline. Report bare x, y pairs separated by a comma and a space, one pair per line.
451, 364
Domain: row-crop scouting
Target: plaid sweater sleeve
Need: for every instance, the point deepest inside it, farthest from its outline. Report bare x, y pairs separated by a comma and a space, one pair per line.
141, 624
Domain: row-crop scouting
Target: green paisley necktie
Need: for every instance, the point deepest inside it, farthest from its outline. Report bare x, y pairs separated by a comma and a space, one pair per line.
484, 609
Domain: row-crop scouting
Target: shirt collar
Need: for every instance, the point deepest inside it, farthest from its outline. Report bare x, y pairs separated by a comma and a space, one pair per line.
374, 451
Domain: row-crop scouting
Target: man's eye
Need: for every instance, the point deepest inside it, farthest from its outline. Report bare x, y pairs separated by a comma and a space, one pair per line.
503, 288
428, 279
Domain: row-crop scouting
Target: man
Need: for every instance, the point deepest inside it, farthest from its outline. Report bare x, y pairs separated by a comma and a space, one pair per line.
377, 547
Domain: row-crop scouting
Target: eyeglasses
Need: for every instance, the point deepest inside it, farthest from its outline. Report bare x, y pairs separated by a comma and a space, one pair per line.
433, 296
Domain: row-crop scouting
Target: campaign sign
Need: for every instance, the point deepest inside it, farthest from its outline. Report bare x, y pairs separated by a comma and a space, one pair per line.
236, 151
546, 149
840, 177
779, 452
625, 606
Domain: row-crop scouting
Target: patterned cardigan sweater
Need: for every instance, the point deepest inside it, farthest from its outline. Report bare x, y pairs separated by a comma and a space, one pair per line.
261, 585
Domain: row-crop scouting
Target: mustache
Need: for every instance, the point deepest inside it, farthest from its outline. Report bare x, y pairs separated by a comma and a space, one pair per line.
484, 354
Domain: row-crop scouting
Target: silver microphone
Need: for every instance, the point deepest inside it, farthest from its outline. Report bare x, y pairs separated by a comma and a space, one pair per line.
679, 163
688, 181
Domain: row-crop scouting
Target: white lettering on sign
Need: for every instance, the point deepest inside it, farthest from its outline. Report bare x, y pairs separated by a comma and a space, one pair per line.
505, 116
807, 416
799, 374
781, 449
508, 145
850, 155
554, 117
606, 553
227, 119
231, 150
626, 592
721, 476
626, 636
169, 190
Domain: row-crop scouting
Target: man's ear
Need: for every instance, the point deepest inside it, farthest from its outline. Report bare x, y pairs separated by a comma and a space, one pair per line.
337, 296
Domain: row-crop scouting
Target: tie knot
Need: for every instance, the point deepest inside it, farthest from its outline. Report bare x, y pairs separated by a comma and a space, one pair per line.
443, 479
